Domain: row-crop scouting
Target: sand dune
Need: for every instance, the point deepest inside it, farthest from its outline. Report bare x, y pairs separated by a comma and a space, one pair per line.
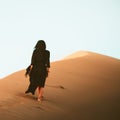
85, 87
77, 55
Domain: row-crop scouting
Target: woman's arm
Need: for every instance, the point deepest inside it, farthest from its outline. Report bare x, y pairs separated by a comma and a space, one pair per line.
33, 59
48, 60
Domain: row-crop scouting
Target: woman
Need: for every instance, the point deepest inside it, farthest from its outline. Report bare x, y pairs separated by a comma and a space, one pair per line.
39, 68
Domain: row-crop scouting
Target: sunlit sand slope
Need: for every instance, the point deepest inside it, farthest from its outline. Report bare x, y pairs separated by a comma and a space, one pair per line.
81, 87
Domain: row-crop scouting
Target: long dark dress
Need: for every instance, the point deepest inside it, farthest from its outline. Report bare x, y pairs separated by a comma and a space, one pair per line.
40, 62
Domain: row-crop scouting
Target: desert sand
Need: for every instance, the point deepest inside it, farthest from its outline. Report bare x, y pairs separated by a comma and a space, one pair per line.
82, 86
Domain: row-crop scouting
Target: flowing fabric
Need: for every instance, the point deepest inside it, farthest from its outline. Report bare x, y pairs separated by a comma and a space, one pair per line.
40, 62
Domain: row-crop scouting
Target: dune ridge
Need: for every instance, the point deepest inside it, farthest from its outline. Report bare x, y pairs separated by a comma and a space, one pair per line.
83, 53
85, 88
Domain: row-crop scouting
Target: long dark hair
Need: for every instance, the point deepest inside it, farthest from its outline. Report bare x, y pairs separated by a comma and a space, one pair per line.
41, 45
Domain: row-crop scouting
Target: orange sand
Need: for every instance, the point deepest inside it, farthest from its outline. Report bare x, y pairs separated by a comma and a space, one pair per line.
83, 86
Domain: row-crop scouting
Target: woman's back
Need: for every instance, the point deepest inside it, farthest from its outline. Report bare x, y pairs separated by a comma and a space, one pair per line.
40, 58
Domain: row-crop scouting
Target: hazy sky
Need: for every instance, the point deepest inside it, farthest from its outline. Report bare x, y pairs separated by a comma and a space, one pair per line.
67, 26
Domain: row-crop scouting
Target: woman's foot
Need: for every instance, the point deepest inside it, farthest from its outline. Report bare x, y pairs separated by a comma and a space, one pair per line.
40, 98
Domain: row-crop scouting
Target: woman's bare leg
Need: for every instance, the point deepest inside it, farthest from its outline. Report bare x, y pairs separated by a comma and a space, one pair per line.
40, 93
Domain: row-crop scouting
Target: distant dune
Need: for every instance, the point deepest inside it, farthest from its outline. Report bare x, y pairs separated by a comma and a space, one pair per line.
82, 86
77, 54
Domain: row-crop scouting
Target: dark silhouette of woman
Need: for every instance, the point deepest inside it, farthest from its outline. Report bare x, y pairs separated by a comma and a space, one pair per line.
39, 68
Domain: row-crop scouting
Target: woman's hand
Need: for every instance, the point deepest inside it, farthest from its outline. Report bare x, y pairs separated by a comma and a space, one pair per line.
48, 70
31, 66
